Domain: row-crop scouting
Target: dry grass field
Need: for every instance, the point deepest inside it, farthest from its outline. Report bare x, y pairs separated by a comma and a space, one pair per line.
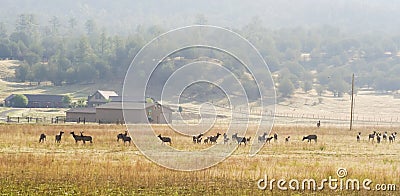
106, 167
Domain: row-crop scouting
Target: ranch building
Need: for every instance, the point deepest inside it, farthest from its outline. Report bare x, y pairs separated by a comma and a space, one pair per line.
38, 101
112, 112
138, 113
100, 97
81, 115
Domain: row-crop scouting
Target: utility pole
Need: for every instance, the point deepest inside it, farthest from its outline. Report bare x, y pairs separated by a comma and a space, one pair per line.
352, 101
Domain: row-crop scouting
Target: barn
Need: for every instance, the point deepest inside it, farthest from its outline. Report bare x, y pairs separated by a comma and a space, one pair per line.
38, 101
112, 112
81, 115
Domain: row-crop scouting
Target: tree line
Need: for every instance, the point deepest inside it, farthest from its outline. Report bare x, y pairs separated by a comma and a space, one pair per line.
321, 57
62, 56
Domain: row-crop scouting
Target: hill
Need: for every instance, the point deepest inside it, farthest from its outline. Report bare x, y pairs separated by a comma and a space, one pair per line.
301, 108
76, 91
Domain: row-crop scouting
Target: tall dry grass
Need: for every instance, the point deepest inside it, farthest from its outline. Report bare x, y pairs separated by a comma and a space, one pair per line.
110, 168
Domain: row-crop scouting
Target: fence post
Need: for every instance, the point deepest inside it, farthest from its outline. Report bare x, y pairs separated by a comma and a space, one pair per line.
84, 120
28, 119
18, 119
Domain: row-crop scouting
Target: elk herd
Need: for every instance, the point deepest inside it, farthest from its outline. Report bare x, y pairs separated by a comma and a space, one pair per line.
239, 140
385, 137
81, 137
264, 138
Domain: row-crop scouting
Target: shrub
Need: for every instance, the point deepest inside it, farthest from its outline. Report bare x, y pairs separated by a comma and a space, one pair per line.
20, 101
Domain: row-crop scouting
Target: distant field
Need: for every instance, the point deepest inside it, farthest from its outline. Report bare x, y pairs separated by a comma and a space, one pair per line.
110, 168
7, 87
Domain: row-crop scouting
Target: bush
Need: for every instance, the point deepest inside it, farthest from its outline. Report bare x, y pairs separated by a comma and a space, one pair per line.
286, 87
20, 101
67, 100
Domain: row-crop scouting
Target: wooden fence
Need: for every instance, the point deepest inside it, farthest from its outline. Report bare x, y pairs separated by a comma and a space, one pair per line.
30, 119
280, 118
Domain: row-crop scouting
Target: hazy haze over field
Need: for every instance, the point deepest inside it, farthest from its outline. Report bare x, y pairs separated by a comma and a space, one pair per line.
125, 15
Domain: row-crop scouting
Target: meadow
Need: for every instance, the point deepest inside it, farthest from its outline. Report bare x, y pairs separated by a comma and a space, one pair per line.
107, 167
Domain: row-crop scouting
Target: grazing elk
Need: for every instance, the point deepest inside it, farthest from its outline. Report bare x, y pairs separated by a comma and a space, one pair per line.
199, 140
269, 139
310, 137
371, 136
121, 136
196, 138
394, 136
390, 138
164, 139
127, 139
359, 137
124, 137
287, 139
58, 137
206, 140
239, 140
275, 137
42, 138
384, 136
226, 139
248, 139
261, 138
81, 137
378, 138
213, 139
